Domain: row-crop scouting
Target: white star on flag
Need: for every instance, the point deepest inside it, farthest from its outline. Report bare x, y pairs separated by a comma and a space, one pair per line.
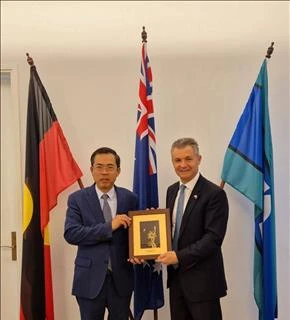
157, 267
145, 263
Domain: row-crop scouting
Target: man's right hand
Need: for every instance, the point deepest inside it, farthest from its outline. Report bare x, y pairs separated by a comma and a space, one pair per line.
121, 220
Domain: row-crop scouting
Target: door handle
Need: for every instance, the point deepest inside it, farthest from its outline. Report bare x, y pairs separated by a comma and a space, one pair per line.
13, 246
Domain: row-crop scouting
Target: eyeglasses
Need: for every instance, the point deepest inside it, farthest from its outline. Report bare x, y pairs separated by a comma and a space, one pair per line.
101, 167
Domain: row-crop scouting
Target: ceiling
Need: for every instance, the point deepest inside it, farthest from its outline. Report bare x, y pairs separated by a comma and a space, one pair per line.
83, 28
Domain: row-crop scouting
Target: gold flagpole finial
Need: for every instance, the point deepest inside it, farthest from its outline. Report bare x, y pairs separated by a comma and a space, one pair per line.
29, 60
270, 50
144, 35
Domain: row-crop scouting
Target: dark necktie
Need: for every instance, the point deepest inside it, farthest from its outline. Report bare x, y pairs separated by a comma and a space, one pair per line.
108, 217
179, 214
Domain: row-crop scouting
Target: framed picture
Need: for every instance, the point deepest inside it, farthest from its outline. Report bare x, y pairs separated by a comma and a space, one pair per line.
149, 233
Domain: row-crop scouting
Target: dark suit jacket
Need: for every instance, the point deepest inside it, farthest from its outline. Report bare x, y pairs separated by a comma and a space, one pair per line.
85, 227
201, 270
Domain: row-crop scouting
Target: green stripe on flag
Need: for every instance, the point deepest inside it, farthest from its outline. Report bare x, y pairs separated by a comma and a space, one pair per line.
233, 164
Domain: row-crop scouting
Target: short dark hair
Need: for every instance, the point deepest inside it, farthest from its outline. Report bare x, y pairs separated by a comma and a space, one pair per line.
105, 150
184, 142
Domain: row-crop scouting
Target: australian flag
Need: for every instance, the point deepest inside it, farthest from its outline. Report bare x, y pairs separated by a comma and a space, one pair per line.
148, 292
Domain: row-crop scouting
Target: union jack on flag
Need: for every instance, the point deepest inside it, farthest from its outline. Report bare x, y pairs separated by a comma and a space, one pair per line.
148, 290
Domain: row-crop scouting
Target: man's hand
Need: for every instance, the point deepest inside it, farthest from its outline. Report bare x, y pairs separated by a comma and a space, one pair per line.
121, 220
167, 258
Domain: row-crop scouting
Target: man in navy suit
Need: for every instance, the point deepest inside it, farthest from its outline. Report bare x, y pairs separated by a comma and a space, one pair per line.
196, 277
103, 277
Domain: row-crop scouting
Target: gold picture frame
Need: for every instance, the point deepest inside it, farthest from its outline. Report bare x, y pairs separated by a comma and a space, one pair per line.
149, 233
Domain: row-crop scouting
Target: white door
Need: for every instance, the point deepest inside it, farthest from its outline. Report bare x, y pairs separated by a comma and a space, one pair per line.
11, 195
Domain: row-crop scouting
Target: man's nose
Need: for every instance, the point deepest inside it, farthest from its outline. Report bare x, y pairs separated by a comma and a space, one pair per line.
182, 163
104, 171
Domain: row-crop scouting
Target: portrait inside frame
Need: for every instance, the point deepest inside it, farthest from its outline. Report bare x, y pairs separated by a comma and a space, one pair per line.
149, 233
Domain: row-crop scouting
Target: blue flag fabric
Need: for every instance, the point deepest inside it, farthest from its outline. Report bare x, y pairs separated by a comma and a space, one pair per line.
248, 167
148, 290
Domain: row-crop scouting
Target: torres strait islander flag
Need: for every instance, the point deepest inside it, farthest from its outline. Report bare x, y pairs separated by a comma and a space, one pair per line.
49, 169
248, 168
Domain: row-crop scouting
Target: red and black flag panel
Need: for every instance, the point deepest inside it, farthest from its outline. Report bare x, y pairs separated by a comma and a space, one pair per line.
49, 169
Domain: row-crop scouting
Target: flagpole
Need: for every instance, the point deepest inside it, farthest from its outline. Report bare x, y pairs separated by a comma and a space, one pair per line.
47, 151
148, 290
31, 63
268, 56
144, 40
248, 168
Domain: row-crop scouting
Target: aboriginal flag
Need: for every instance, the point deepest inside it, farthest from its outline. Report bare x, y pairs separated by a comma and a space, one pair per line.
49, 169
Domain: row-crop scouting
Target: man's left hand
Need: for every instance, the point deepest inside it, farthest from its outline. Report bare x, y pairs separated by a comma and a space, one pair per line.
167, 258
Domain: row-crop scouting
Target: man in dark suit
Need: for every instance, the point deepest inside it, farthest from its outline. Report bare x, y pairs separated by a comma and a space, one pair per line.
199, 215
96, 222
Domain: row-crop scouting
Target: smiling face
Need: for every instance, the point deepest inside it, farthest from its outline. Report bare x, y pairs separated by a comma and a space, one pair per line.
104, 171
185, 161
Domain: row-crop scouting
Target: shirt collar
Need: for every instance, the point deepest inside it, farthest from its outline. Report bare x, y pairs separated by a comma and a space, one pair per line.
111, 193
191, 184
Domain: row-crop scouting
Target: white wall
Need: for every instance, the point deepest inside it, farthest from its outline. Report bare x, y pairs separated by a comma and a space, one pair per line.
198, 92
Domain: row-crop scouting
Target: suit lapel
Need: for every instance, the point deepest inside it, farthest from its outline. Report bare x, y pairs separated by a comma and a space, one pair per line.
172, 196
120, 200
95, 205
94, 202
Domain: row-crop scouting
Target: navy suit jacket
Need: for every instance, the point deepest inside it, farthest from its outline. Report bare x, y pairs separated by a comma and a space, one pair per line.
201, 272
85, 227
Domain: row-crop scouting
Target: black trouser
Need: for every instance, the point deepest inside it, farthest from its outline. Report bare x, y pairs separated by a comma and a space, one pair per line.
184, 309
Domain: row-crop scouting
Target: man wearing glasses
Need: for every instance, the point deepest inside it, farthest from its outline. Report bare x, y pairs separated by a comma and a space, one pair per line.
96, 222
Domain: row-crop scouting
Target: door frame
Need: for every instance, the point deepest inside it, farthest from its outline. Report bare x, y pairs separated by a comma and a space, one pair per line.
16, 220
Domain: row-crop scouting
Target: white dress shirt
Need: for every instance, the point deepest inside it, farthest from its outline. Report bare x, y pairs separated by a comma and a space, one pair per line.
187, 192
112, 200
